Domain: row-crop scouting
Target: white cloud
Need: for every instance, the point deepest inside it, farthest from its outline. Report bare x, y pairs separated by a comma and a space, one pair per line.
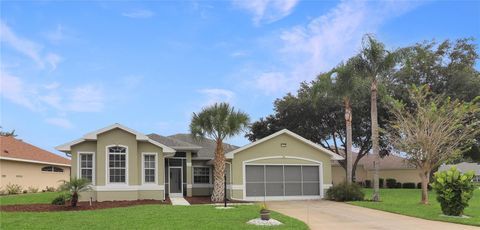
86, 98
307, 50
267, 11
217, 95
239, 53
27, 47
60, 122
139, 13
15, 90
56, 35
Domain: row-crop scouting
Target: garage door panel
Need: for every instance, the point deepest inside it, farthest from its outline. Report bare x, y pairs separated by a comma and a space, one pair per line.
311, 189
293, 173
293, 189
310, 173
274, 173
274, 189
255, 173
255, 189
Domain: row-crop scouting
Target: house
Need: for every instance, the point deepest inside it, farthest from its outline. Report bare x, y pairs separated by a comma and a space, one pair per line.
124, 164
464, 167
390, 166
29, 166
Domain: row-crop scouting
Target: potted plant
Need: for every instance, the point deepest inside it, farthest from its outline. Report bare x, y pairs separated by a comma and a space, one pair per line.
264, 212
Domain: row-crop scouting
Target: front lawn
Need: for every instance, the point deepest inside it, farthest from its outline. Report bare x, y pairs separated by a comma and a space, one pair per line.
406, 202
29, 198
135, 217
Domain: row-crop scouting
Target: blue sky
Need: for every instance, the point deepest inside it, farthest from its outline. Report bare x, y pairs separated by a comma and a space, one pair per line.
68, 68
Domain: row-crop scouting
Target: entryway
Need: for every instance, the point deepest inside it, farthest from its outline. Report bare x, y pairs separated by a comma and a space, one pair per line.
175, 178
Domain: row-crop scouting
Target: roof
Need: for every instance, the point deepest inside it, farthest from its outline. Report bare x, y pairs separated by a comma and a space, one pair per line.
173, 143
208, 145
93, 136
387, 162
18, 150
333, 155
463, 167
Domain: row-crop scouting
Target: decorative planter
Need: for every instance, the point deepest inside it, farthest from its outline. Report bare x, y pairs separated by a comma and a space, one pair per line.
265, 214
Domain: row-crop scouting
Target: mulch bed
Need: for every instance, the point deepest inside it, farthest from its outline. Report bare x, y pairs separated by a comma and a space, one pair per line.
207, 200
84, 205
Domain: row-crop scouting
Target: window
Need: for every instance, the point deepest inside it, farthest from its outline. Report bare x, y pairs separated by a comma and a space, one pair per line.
149, 168
201, 175
117, 164
86, 166
476, 178
52, 169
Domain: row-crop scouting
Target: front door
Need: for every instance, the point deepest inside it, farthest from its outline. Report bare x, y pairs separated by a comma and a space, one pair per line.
176, 187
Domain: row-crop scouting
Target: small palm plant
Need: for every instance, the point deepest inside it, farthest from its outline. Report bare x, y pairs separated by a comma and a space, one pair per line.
74, 187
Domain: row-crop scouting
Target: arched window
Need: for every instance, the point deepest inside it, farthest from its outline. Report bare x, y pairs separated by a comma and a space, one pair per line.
117, 164
52, 169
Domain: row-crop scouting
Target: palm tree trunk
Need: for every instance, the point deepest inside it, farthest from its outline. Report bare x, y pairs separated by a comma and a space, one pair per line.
218, 173
348, 122
425, 176
375, 146
74, 199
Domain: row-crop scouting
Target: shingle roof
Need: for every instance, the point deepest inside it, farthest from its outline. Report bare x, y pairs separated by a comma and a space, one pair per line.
20, 150
173, 143
208, 146
463, 167
387, 162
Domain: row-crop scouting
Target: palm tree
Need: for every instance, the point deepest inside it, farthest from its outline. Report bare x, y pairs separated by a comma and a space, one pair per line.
74, 187
218, 122
375, 61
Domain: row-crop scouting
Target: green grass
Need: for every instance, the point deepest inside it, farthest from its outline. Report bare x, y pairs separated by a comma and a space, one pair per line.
406, 202
136, 217
33, 198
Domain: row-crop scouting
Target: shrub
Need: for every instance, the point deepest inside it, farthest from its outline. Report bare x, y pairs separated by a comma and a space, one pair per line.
368, 183
419, 186
345, 192
13, 188
408, 185
25, 191
50, 189
59, 200
32, 189
399, 185
454, 190
391, 183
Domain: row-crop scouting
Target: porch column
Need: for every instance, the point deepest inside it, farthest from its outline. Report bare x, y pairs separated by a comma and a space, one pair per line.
189, 173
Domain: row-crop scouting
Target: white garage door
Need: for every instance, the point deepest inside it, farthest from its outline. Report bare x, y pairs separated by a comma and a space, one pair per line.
282, 181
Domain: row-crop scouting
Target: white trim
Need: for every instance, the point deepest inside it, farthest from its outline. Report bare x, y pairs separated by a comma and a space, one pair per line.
201, 186
333, 155
94, 170
327, 186
280, 157
210, 169
170, 182
33, 161
237, 186
94, 135
145, 187
107, 167
143, 167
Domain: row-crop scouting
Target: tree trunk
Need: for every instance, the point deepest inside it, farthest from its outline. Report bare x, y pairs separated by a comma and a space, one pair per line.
348, 123
74, 200
425, 176
218, 173
375, 146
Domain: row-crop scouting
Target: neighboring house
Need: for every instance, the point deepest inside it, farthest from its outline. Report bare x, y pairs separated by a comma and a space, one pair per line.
29, 166
465, 167
391, 166
124, 164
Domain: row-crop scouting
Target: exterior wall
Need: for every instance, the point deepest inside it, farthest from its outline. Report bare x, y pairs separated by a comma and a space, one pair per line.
339, 176
296, 152
30, 175
134, 188
401, 175
189, 174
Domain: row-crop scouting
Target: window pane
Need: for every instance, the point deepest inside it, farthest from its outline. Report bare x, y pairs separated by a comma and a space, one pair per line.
201, 175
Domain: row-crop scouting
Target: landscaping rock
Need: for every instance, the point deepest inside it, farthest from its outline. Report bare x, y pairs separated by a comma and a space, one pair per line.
260, 222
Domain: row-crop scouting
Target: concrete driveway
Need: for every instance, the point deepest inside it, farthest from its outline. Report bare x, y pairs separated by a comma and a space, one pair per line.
334, 215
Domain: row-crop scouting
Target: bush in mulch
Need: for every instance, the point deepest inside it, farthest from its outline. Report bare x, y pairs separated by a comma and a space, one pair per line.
84, 205
207, 200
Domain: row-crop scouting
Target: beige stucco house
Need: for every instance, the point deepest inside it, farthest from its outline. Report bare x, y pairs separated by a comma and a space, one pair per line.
29, 166
390, 166
124, 164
